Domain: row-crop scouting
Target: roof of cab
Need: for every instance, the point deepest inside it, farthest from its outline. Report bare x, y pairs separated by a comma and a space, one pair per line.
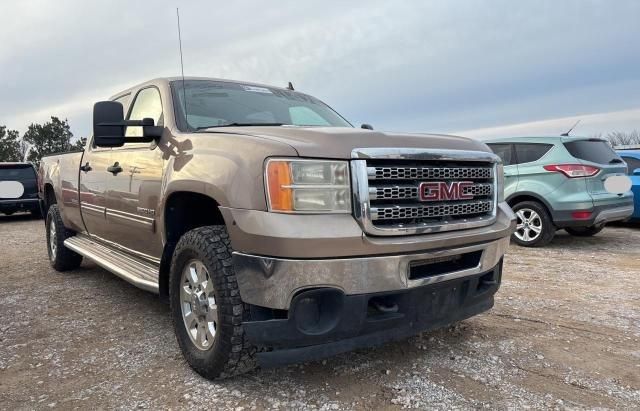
167, 80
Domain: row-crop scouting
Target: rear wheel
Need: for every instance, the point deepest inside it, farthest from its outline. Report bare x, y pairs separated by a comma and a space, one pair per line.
60, 257
584, 231
206, 307
534, 227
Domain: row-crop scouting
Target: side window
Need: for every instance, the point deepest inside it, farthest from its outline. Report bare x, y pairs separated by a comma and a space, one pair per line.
632, 164
504, 152
146, 105
527, 153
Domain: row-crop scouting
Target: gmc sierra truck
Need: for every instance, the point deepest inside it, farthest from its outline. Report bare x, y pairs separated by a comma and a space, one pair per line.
276, 230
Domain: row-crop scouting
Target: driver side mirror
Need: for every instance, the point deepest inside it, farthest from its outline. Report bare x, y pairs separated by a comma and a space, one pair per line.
109, 126
636, 172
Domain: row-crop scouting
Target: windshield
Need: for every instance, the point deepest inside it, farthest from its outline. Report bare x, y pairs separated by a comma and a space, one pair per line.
219, 103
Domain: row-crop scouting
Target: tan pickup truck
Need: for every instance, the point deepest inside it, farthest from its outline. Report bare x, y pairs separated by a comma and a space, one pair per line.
277, 231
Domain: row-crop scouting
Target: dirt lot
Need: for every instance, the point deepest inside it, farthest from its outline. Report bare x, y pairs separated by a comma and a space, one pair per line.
565, 333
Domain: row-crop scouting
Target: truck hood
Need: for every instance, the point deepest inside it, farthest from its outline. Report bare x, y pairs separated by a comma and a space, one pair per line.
338, 142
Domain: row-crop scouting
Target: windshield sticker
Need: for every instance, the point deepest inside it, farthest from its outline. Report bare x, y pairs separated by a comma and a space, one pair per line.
257, 89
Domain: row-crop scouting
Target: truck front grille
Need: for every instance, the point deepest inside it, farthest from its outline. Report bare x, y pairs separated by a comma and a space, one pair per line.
410, 196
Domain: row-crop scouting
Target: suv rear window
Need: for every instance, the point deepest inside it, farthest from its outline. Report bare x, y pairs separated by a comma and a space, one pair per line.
17, 174
596, 151
527, 153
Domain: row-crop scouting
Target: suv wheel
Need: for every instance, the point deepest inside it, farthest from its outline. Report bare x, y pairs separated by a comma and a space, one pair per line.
206, 308
60, 257
584, 231
534, 227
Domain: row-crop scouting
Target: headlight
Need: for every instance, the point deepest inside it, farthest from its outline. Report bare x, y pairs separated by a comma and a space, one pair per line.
308, 186
500, 182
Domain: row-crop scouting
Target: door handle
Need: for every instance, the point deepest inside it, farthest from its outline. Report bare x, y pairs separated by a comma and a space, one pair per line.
86, 168
115, 168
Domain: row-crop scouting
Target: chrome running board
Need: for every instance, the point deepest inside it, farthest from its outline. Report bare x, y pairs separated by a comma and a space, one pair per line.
136, 271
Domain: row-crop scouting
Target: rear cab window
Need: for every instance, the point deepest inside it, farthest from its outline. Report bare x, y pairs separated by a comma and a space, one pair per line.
594, 150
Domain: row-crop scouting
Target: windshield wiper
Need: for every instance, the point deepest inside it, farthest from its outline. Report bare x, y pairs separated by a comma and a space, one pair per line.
240, 125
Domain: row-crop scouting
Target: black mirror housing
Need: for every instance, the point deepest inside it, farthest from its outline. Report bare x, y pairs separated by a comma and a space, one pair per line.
367, 126
108, 124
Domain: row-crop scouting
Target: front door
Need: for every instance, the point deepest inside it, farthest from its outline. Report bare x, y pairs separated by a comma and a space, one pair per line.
134, 190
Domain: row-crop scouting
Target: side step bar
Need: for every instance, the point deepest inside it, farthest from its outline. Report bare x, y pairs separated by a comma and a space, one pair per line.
142, 274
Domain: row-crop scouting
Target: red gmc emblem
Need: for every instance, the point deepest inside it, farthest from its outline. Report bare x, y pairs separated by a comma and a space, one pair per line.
439, 191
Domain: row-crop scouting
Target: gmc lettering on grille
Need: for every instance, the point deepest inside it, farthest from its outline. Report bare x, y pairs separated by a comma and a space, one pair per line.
442, 191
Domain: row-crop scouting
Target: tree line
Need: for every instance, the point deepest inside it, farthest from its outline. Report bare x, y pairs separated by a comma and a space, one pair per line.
55, 136
39, 140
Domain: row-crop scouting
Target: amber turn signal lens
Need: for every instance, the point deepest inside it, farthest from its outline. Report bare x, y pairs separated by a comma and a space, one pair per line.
279, 185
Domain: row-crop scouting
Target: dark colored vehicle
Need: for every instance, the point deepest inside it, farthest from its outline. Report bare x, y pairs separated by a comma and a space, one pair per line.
18, 189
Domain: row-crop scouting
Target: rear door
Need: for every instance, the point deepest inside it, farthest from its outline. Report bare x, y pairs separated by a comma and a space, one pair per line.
93, 189
506, 152
598, 153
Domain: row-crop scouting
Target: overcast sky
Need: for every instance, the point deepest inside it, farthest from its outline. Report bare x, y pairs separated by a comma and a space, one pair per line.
477, 68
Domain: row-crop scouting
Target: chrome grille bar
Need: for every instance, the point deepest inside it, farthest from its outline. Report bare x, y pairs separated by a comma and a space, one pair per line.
410, 192
428, 173
400, 212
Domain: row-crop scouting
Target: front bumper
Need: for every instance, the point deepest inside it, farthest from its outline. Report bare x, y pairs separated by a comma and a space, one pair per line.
273, 282
325, 322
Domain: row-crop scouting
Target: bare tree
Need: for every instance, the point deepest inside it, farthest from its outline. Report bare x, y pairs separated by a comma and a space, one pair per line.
621, 138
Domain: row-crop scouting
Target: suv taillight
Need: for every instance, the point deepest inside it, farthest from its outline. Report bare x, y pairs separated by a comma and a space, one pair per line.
573, 170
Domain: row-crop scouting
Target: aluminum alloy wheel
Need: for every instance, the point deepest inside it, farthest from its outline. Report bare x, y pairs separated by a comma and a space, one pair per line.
199, 309
529, 225
53, 240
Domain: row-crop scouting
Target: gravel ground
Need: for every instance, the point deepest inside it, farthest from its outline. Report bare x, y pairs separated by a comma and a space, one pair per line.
564, 333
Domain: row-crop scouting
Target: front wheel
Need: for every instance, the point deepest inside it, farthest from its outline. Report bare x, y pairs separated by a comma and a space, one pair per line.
206, 307
534, 227
584, 231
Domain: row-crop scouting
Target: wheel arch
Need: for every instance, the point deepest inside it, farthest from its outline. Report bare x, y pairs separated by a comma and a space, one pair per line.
529, 196
182, 212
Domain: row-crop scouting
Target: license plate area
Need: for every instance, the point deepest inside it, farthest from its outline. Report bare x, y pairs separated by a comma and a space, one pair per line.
436, 266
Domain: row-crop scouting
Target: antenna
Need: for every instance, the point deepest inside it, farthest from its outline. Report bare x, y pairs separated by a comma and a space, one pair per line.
290, 86
570, 130
184, 90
